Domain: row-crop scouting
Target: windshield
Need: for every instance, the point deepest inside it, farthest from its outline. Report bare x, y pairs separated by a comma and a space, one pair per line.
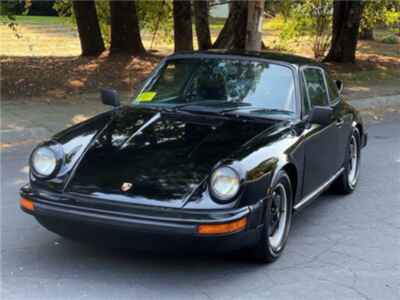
224, 82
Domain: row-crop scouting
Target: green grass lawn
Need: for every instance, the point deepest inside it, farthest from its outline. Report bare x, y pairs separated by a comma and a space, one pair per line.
41, 20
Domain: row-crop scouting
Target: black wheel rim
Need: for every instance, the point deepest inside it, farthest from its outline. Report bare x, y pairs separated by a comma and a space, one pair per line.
278, 218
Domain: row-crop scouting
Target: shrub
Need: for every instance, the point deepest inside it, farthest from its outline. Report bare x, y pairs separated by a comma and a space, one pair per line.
390, 39
310, 18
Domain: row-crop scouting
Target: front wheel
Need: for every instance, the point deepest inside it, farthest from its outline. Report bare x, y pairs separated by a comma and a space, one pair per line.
347, 181
277, 221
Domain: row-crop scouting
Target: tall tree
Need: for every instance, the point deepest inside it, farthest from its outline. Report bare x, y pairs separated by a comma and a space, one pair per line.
346, 23
233, 34
183, 33
88, 27
201, 10
254, 25
125, 30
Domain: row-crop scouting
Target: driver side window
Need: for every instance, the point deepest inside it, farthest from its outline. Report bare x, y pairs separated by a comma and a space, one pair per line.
315, 87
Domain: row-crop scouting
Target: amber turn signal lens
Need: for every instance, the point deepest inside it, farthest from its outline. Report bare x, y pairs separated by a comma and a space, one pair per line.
230, 227
26, 203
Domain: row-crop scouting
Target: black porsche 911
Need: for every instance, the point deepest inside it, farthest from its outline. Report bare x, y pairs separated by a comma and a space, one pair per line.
216, 152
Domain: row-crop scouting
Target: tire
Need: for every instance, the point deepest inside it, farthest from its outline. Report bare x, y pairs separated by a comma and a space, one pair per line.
271, 245
347, 181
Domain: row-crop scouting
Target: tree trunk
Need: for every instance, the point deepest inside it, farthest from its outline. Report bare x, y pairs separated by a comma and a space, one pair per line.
366, 34
346, 22
202, 26
125, 31
233, 34
88, 27
254, 25
183, 35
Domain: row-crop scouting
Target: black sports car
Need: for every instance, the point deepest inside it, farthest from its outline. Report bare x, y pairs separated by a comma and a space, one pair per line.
216, 152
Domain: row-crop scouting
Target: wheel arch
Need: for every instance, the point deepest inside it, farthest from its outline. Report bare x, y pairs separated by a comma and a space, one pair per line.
359, 126
291, 171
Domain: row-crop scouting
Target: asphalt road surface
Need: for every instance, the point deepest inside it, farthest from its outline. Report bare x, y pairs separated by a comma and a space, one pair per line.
339, 248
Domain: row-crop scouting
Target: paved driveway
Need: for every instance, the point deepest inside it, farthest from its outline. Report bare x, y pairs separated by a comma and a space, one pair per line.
339, 248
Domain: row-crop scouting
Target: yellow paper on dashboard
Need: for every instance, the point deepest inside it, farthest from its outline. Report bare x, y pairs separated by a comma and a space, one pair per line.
146, 96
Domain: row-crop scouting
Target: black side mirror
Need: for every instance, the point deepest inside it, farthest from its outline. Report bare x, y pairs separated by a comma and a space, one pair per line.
321, 115
110, 97
339, 85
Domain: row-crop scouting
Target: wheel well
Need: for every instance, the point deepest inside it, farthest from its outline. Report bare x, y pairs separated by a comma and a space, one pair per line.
291, 170
360, 129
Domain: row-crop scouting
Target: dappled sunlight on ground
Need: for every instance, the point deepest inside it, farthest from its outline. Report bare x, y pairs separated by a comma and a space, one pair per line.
7, 146
60, 76
25, 170
79, 118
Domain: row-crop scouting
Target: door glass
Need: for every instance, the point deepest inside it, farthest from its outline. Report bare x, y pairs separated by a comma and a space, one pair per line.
306, 101
316, 88
332, 89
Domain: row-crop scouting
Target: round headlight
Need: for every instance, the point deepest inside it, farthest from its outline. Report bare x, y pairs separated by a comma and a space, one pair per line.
225, 183
44, 161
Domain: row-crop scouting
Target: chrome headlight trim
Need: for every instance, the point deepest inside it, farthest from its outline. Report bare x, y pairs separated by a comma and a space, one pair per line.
224, 184
50, 153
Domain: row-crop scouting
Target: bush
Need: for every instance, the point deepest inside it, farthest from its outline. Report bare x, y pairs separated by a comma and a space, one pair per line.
310, 18
391, 39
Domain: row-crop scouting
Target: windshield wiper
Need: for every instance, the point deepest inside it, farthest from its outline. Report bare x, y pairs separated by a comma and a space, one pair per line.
208, 106
156, 107
248, 114
255, 109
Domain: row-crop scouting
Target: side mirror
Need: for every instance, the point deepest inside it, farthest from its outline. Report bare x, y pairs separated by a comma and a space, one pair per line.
339, 85
321, 115
110, 97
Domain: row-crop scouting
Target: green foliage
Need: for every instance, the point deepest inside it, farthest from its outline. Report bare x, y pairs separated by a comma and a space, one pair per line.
8, 10
392, 19
154, 17
103, 14
312, 18
63, 7
383, 12
390, 39
280, 7
275, 24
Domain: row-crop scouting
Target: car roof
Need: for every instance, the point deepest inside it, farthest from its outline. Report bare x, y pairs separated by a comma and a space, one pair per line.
273, 56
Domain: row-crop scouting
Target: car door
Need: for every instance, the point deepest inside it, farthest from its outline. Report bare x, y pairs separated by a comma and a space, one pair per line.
343, 120
320, 141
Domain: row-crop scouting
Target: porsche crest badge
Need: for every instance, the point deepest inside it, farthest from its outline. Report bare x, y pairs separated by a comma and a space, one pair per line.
126, 186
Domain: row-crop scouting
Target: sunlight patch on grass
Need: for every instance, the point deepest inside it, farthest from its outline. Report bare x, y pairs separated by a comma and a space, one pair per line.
39, 40
41, 20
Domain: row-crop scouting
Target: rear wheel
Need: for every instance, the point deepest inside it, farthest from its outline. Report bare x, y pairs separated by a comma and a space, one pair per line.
347, 181
277, 221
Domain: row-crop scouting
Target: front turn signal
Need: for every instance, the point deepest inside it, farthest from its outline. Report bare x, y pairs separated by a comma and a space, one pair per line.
27, 204
231, 227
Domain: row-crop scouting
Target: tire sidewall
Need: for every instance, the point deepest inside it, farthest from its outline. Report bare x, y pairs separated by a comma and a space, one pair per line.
356, 133
282, 178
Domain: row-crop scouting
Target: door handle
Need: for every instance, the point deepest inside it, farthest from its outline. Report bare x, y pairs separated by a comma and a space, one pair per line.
339, 122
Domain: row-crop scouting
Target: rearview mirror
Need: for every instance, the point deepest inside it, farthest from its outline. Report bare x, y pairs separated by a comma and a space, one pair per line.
321, 115
339, 85
110, 97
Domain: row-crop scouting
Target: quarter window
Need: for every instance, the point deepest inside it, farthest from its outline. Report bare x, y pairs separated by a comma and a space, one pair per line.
315, 86
332, 89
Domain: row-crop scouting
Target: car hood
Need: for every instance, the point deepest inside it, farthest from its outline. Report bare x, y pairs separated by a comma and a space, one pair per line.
154, 158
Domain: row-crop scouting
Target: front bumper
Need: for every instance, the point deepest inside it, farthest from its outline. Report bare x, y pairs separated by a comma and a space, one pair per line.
146, 228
